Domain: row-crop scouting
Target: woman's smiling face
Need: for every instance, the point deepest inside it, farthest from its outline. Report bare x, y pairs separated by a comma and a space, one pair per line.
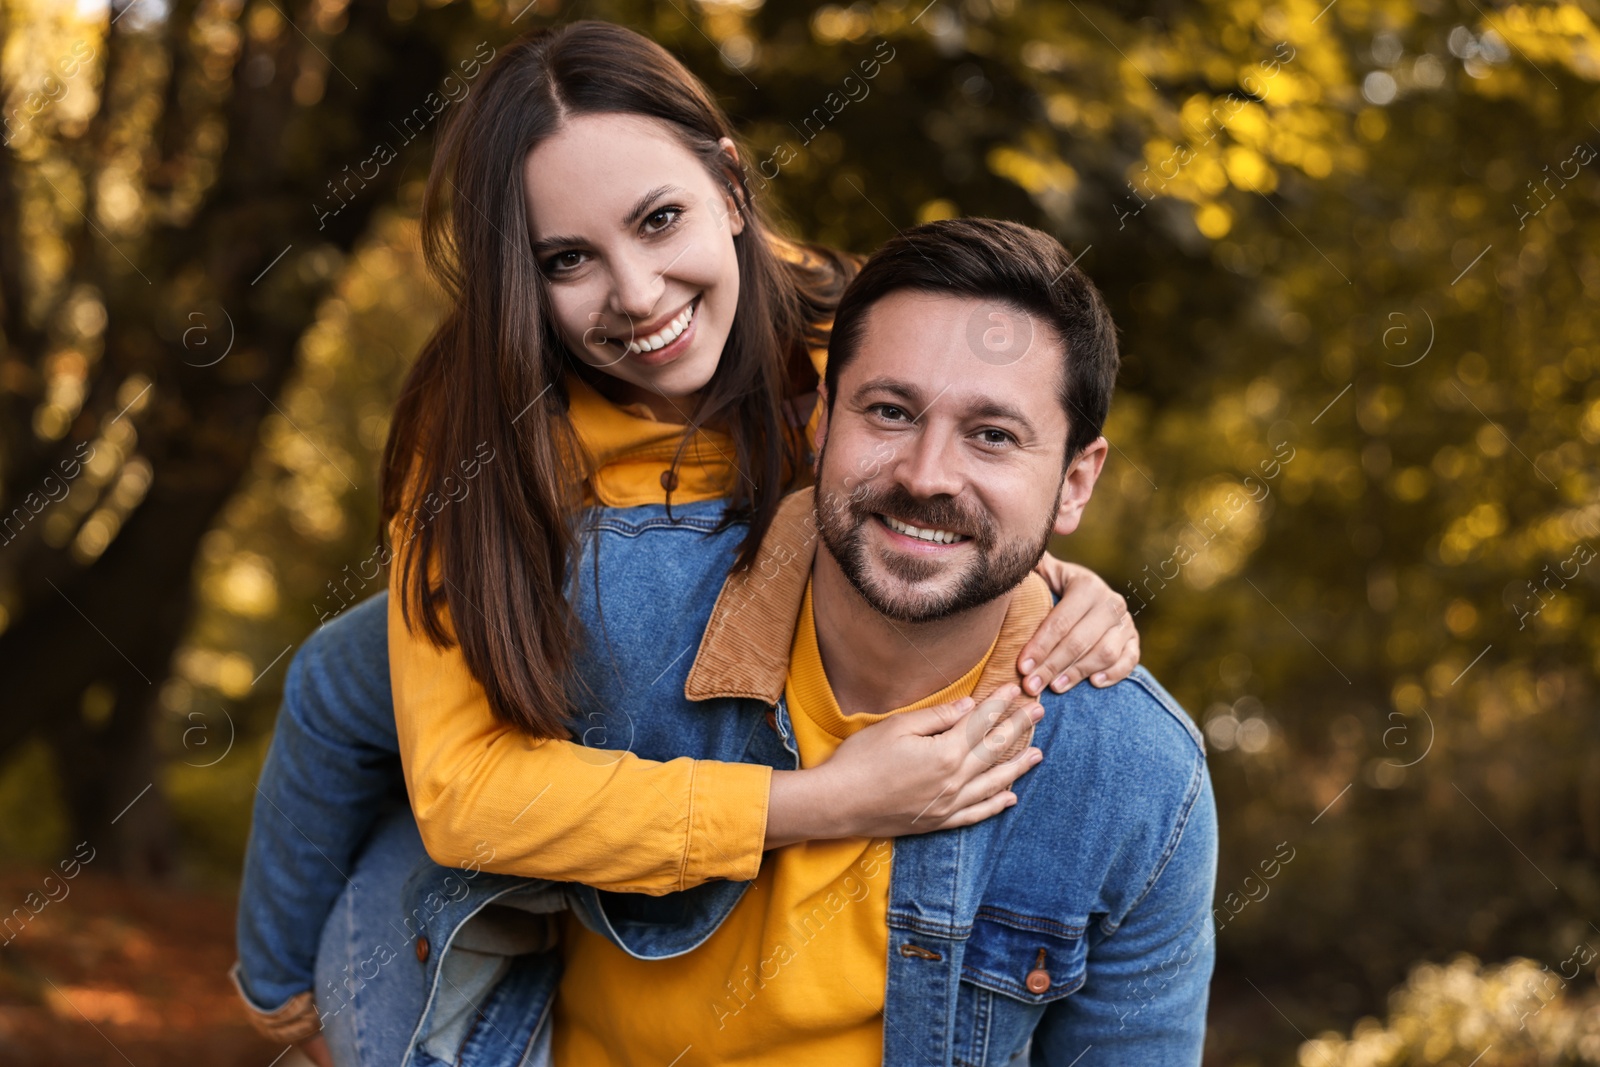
634, 239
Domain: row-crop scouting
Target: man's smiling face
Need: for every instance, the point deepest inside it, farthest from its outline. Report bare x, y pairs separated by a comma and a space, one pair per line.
940, 475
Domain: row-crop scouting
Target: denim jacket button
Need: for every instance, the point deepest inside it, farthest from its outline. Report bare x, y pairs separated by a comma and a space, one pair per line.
1038, 980
422, 950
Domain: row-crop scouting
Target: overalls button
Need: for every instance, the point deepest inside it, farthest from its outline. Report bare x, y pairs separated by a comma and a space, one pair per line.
669, 480
422, 950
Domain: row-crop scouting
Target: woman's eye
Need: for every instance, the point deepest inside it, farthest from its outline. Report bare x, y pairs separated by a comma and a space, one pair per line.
661, 219
562, 262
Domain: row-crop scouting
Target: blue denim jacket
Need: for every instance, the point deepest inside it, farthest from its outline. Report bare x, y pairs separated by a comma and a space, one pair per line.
1075, 924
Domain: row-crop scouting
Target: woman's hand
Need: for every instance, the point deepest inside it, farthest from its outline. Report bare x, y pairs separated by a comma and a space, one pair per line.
930, 769
316, 1050
1089, 634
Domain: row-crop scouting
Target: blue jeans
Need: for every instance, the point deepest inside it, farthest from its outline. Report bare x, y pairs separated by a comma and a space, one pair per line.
332, 772
332, 843
370, 986
372, 982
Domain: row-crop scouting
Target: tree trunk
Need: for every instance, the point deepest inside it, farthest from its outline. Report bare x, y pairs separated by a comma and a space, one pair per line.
251, 261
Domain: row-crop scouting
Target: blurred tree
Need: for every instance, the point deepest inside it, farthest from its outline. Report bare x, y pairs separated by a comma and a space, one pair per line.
1517, 1014
1354, 248
178, 188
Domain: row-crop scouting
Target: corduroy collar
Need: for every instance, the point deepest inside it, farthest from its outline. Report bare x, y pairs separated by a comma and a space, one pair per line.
745, 650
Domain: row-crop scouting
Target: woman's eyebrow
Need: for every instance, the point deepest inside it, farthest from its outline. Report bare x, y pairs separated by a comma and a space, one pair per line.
550, 244
646, 200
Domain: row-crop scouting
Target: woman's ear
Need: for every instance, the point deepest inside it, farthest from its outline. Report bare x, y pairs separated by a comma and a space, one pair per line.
731, 181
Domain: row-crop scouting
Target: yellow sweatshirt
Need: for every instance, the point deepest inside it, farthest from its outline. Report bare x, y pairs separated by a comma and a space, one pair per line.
796, 973
556, 809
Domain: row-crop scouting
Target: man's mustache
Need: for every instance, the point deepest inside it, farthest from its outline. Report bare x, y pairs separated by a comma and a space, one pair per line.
929, 513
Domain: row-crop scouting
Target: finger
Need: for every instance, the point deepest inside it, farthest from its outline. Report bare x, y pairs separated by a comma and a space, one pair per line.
1003, 740
1057, 573
1099, 629
996, 779
935, 720
972, 731
1061, 621
1101, 657
1101, 660
988, 714
1121, 669
1109, 662
978, 812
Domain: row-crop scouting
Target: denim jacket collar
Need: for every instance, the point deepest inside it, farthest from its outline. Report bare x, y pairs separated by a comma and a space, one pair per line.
745, 650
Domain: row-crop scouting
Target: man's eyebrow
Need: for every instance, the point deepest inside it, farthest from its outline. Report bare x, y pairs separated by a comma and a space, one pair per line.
901, 391
993, 409
550, 244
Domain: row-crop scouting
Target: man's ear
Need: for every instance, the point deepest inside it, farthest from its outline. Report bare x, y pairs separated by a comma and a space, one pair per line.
1078, 483
729, 205
822, 430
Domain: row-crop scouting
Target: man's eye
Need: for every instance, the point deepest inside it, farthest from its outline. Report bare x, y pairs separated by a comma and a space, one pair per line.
662, 218
890, 412
995, 437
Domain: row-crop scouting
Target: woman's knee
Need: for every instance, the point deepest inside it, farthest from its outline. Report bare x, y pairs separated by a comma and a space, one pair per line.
340, 674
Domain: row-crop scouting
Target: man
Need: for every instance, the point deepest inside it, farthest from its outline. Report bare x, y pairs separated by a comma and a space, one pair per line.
969, 375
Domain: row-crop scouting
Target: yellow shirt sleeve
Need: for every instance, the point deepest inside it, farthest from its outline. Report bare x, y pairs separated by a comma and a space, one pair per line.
486, 794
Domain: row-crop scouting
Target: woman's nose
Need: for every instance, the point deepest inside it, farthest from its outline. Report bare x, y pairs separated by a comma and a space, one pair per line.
636, 287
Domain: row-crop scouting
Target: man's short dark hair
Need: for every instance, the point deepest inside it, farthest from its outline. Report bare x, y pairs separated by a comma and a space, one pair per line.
1009, 263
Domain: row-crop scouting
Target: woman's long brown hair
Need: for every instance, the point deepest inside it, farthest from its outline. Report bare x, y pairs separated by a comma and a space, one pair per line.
482, 471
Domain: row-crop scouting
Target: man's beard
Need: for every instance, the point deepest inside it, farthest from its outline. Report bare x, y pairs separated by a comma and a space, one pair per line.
994, 571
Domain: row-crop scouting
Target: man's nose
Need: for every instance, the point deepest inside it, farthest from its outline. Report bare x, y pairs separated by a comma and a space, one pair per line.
930, 465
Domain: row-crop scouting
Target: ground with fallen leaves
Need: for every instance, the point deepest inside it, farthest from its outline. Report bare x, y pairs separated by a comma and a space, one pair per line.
117, 975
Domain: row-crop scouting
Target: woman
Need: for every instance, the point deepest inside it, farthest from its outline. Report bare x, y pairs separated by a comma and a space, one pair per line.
648, 340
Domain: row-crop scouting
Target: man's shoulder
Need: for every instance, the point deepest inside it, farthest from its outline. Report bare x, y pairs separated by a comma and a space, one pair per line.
1135, 722
1123, 767
1123, 774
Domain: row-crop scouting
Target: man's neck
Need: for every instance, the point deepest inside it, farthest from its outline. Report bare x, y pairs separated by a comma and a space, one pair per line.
875, 664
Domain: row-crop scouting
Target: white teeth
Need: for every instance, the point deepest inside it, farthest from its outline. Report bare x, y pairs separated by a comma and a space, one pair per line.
943, 537
664, 336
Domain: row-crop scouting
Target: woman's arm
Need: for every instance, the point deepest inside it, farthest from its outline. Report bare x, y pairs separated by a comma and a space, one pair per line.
931, 769
1088, 634
555, 809
483, 792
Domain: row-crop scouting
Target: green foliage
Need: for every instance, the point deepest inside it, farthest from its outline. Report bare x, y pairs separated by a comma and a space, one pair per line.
1355, 253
